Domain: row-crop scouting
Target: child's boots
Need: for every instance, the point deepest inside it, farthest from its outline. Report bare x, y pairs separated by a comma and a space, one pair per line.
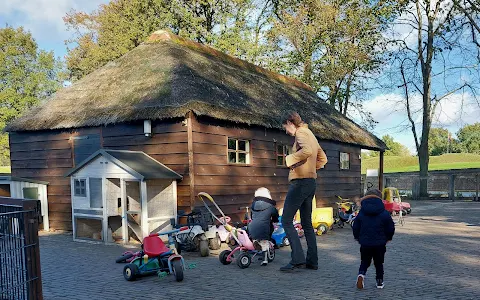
265, 258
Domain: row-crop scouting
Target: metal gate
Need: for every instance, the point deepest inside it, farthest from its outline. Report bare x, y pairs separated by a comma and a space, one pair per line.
19, 250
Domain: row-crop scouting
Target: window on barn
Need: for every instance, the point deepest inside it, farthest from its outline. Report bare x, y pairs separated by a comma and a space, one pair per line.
282, 151
80, 187
238, 151
84, 146
344, 161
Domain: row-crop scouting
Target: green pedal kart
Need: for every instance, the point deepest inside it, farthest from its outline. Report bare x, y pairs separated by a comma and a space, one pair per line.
156, 258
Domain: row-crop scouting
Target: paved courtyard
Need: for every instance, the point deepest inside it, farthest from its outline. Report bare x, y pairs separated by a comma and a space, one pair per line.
435, 255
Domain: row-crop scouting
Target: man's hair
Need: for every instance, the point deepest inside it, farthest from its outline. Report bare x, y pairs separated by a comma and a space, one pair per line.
293, 117
374, 192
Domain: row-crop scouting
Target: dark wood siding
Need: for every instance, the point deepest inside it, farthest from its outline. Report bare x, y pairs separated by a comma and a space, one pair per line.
49, 155
233, 186
168, 145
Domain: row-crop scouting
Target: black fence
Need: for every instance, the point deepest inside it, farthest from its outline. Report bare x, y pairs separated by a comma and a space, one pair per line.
20, 275
461, 184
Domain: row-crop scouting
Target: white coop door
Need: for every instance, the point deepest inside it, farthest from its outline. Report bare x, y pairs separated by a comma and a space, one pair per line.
161, 204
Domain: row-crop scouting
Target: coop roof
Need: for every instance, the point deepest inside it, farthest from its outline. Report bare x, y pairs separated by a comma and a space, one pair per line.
167, 76
8, 177
137, 163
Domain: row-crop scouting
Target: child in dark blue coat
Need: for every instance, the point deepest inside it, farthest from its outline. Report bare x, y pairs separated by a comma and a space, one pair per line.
373, 229
264, 214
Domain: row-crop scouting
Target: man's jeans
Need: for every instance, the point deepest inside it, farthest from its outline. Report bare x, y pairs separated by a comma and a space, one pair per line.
299, 197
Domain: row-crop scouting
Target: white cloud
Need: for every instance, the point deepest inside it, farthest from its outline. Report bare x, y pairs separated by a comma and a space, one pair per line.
389, 110
405, 26
43, 17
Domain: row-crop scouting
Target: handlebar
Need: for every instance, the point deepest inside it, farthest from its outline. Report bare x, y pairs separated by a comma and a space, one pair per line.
170, 231
225, 219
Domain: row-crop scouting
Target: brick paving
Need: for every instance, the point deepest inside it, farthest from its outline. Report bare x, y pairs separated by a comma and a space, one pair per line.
435, 255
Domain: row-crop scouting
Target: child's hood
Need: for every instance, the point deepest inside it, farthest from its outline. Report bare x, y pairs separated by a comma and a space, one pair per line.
372, 205
262, 203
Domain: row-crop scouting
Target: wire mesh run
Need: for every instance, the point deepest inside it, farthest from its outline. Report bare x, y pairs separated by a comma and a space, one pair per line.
18, 268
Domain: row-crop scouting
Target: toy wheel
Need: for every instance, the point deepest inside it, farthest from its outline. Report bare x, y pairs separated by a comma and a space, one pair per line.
130, 272
244, 260
204, 251
177, 269
178, 247
223, 257
409, 210
404, 212
271, 254
285, 241
123, 258
323, 228
215, 243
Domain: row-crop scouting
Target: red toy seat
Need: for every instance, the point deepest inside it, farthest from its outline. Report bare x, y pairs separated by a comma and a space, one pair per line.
154, 246
391, 206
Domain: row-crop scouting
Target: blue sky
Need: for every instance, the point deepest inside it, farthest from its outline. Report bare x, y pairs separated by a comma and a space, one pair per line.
43, 18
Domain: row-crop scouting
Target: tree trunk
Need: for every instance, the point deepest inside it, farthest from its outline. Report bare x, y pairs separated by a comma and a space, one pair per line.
307, 69
426, 65
423, 160
347, 95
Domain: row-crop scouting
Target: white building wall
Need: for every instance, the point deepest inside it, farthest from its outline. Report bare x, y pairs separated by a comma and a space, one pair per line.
16, 191
101, 167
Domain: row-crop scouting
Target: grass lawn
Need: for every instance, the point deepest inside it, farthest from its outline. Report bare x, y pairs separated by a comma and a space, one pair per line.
5, 169
395, 164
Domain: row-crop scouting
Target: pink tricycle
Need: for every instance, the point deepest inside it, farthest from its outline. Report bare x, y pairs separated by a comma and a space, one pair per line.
245, 251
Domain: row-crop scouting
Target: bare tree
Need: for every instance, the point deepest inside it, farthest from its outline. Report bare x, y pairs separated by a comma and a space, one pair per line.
434, 60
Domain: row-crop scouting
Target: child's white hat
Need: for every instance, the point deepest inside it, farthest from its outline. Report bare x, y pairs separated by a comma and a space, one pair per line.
263, 192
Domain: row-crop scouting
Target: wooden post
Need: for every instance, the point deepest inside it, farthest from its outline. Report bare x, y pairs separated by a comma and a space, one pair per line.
105, 208
123, 195
144, 209
380, 172
477, 186
32, 250
191, 165
451, 183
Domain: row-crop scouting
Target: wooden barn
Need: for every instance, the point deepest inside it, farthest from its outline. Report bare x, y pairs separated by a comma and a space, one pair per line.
213, 119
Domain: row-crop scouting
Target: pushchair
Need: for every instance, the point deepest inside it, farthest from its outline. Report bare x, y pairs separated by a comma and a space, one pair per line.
245, 251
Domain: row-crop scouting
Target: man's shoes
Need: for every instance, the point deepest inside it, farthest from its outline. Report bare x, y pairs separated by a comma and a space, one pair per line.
311, 267
360, 281
380, 284
291, 267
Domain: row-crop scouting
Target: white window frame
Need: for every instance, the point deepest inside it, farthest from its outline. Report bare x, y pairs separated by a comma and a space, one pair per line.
75, 187
237, 151
287, 150
344, 161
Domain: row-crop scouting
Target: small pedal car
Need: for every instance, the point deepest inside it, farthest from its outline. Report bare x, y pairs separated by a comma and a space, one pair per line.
156, 257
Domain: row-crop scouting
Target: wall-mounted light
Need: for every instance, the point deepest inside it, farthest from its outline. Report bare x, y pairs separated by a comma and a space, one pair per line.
147, 127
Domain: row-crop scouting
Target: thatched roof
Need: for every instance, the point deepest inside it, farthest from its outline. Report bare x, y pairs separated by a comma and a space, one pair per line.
168, 76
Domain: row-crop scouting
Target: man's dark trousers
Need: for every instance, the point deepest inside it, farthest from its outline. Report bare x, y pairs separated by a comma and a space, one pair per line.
299, 197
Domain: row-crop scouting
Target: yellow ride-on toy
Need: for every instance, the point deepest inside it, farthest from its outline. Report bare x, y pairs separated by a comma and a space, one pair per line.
391, 195
322, 218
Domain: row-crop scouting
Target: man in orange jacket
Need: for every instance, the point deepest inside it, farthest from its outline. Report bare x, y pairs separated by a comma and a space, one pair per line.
304, 163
